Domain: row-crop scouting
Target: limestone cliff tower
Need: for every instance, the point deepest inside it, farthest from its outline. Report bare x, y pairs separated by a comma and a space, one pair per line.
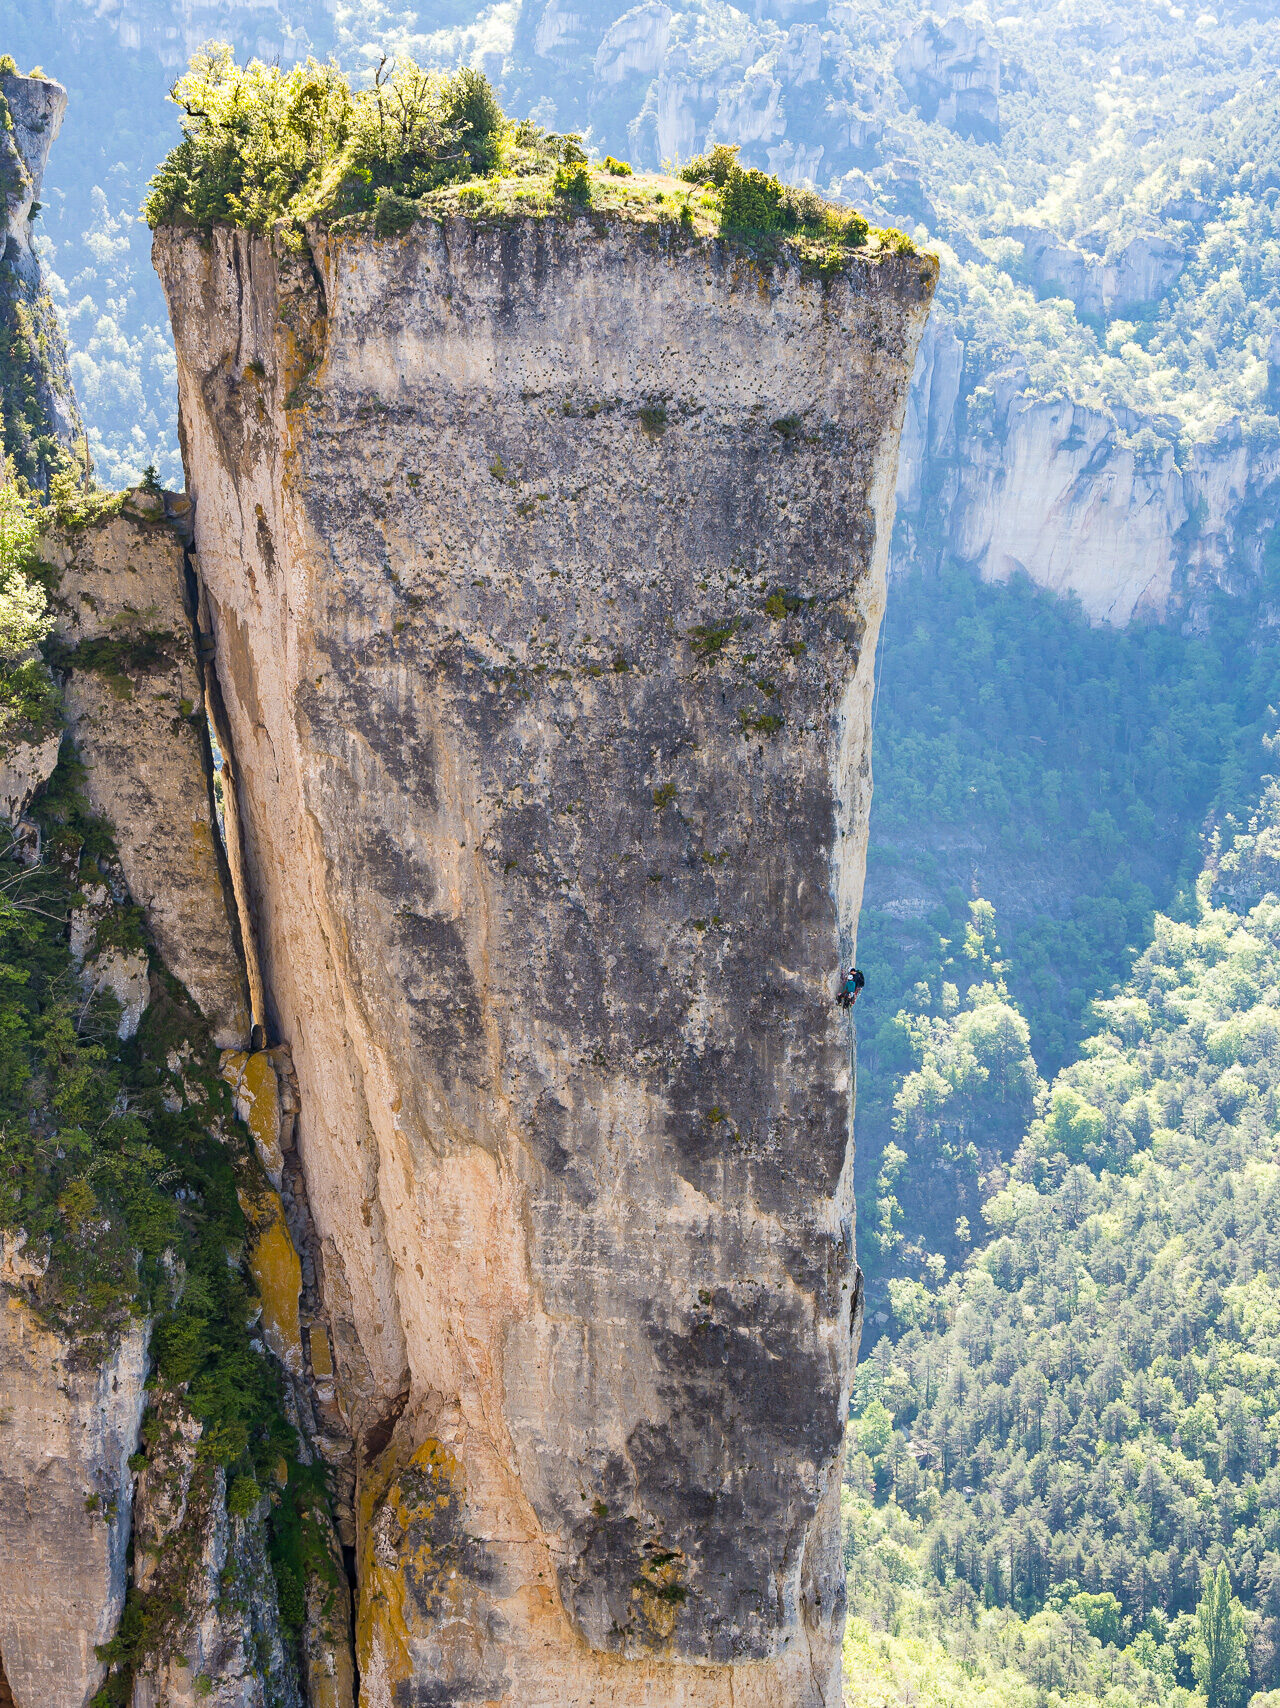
544, 559
38, 415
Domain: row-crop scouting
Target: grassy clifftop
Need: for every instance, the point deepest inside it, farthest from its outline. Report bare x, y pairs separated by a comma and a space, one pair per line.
266, 149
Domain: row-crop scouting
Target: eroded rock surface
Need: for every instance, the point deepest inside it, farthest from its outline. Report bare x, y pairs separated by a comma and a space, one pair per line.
951, 71
1130, 279
135, 710
1007, 482
33, 108
545, 566
67, 1428
25, 767
226, 1647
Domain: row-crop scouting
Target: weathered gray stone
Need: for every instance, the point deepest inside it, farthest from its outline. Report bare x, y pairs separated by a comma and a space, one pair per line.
36, 107
545, 565
24, 768
1008, 481
227, 1647
951, 71
66, 1432
1133, 277
135, 711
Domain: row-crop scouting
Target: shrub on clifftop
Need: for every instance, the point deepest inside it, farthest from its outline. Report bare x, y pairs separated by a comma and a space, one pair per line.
260, 144
756, 201
264, 148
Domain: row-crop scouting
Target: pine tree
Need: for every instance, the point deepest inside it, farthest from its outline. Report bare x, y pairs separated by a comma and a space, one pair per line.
1218, 1647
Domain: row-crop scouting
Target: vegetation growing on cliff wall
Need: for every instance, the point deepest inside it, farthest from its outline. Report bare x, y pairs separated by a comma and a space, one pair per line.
29, 708
124, 1174
32, 355
263, 147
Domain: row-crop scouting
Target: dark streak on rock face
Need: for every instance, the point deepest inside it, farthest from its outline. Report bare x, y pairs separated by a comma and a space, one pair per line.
728, 1488
379, 1434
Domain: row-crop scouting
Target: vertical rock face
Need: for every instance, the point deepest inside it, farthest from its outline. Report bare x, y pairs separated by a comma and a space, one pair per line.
67, 1430
952, 73
1004, 481
545, 565
135, 710
227, 1651
33, 109
1136, 276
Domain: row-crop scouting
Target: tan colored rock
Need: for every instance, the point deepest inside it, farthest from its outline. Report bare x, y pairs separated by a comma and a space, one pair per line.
545, 566
24, 768
135, 709
66, 1433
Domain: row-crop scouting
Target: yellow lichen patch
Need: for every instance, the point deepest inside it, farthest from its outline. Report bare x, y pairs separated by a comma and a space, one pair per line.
257, 1092
277, 1272
321, 1356
658, 1593
412, 1543
382, 1637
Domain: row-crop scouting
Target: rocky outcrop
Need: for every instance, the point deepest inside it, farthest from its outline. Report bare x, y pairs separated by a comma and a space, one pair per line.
635, 46
67, 1430
998, 478
37, 106
34, 423
951, 72
1094, 499
1135, 277
135, 710
544, 566
26, 767
224, 1648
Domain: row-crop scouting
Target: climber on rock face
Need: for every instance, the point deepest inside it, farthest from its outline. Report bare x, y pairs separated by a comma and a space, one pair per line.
849, 989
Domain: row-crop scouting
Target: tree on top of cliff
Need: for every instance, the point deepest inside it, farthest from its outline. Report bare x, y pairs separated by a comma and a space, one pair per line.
262, 145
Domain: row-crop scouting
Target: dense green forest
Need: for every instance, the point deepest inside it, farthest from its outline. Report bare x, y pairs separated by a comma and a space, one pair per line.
1041, 787
1083, 1424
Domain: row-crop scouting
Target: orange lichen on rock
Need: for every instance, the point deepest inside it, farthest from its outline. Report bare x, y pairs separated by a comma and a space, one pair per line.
252, 1077
420, 1592
277, 1273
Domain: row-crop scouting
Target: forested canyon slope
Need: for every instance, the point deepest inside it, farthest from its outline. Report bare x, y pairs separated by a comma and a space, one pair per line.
428, 928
